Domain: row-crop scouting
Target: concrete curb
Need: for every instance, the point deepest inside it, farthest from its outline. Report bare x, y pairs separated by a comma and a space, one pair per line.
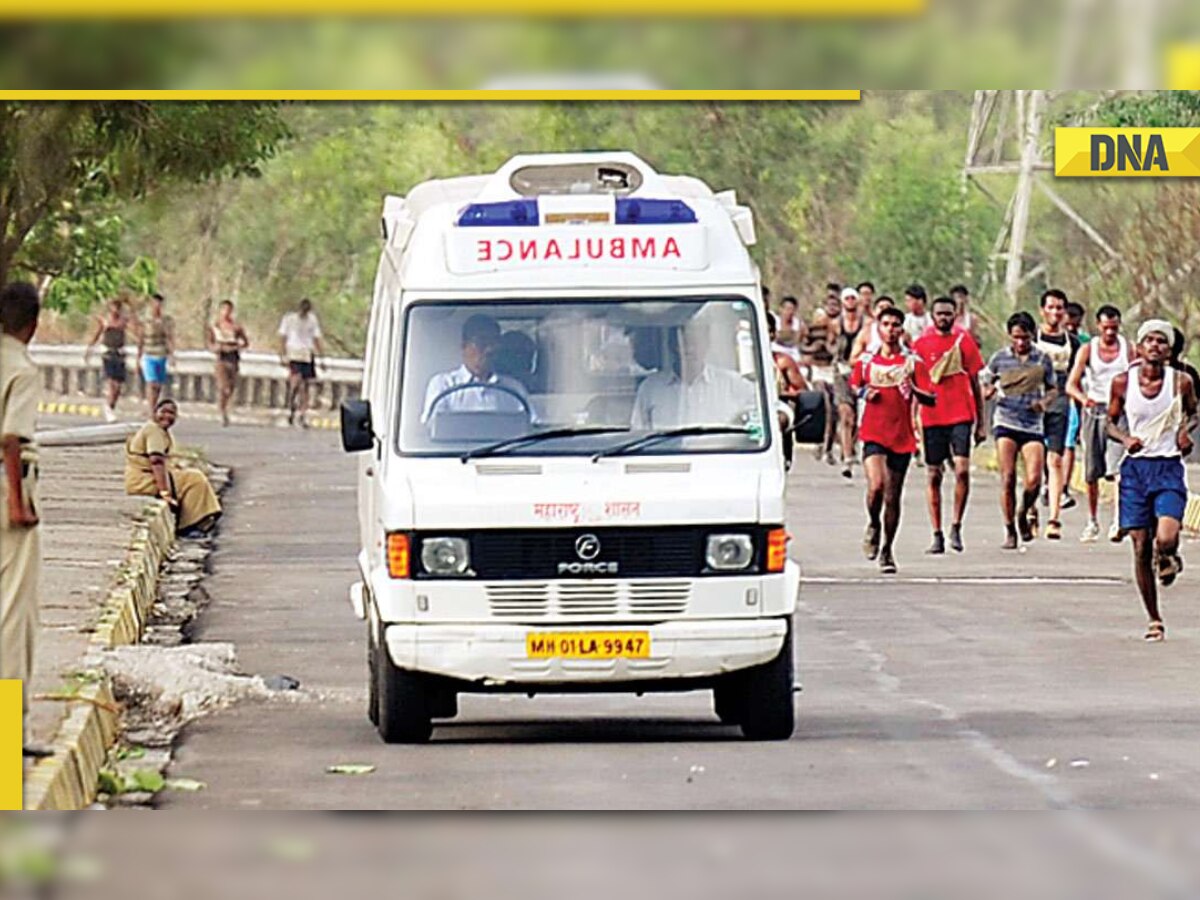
322, 423
68, 780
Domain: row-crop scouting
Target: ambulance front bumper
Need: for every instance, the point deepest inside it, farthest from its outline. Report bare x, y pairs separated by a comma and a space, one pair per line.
494, 654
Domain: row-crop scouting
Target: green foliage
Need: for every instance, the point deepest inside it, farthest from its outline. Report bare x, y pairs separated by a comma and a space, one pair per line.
62, 166
913, 222
136, 781
86, 260
1151, 109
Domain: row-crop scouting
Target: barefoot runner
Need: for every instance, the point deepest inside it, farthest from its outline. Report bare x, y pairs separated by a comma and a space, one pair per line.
1022, 378
1160, 403
888, 379
954, 424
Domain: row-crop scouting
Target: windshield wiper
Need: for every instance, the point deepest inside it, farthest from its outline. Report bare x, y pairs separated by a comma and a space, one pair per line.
655, 437
536, 436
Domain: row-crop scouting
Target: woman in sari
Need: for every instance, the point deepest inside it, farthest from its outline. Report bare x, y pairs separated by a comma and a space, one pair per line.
149, 472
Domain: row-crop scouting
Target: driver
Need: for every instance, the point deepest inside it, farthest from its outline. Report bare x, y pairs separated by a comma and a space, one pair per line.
480, 340
694, 393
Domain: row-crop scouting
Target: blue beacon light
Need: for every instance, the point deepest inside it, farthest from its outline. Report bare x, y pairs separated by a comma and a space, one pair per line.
504, 214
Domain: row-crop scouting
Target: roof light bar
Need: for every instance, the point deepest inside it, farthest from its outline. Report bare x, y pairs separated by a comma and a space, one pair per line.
504, 214
525, 213
636, 211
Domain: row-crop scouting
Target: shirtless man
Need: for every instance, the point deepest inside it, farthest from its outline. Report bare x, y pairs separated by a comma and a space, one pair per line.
789, 382
818, 352
792, 330
1101, 360
1160, 404
889, 380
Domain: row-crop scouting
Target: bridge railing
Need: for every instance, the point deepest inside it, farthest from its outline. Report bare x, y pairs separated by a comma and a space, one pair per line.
262, 380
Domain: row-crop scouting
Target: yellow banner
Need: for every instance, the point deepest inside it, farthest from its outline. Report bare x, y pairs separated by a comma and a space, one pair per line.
10, 744
1127, 152
155, 9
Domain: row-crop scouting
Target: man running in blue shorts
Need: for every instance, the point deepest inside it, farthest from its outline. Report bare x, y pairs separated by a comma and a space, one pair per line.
156, 345
1160, 404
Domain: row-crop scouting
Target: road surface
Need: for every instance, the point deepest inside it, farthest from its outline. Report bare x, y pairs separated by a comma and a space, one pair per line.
979, 681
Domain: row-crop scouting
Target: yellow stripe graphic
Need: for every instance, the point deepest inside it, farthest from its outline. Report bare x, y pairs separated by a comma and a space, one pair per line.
10, 744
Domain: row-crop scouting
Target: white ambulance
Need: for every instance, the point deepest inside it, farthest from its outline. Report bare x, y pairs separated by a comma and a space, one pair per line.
570, 477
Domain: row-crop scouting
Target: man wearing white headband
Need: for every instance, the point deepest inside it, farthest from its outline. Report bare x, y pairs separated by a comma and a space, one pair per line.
1160, 404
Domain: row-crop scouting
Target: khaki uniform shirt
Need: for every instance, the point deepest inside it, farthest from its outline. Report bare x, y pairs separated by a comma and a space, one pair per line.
19, 394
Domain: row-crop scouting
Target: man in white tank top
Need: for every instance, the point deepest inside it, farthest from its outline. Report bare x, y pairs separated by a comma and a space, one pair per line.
1160, 404
1098, 362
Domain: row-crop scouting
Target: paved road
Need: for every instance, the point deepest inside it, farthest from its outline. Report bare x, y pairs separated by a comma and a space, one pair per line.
974, 681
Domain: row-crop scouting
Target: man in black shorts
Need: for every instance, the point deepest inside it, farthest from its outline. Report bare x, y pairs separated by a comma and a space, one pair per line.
955, 422
299, 346
889, 380
1056, 342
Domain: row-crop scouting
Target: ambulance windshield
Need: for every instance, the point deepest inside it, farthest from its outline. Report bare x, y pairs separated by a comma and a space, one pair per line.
476, 373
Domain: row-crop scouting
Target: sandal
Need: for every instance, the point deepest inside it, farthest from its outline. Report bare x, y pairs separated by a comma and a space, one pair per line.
1156, 631
1169, 568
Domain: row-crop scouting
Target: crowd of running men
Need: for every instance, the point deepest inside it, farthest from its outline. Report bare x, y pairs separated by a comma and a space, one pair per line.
299, 346
897, 380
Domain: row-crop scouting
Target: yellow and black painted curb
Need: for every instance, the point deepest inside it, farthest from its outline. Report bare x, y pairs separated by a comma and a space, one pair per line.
92, 410
69, 779
63, 408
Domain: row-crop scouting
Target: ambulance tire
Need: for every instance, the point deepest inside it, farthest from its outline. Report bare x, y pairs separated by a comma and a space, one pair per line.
404, 716
767, 708
727, 701
372, 681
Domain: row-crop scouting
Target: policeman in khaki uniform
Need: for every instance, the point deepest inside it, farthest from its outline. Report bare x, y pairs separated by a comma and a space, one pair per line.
20, 538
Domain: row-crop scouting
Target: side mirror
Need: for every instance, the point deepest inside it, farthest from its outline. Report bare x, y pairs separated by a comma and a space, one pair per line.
356, 426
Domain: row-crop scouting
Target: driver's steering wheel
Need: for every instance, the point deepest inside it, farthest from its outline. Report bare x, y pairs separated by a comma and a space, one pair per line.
485, 385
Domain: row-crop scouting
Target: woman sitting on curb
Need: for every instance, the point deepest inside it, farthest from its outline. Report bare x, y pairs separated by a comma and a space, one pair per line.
149, 472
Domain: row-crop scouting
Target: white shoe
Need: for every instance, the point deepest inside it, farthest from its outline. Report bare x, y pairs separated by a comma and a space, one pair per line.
110, 414
1091, 532
1114, 533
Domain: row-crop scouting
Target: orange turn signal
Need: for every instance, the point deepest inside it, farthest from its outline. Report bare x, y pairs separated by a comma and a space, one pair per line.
398, 555
777, 541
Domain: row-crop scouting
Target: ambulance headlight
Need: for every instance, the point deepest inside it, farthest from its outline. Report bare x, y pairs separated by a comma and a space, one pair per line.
446, 556
729, 552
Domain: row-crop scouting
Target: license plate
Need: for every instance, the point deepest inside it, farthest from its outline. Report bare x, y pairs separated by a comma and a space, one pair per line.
587, 644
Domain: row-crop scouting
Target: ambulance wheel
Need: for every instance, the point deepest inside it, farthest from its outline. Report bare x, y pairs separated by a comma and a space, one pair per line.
372, 681
727, 701
767, 709
403, 706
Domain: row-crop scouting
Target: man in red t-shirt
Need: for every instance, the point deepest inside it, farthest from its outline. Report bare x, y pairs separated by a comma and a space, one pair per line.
952, 359
888, 380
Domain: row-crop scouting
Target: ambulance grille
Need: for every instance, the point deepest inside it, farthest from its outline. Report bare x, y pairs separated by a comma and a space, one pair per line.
518, 599
661, 598
588, 600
